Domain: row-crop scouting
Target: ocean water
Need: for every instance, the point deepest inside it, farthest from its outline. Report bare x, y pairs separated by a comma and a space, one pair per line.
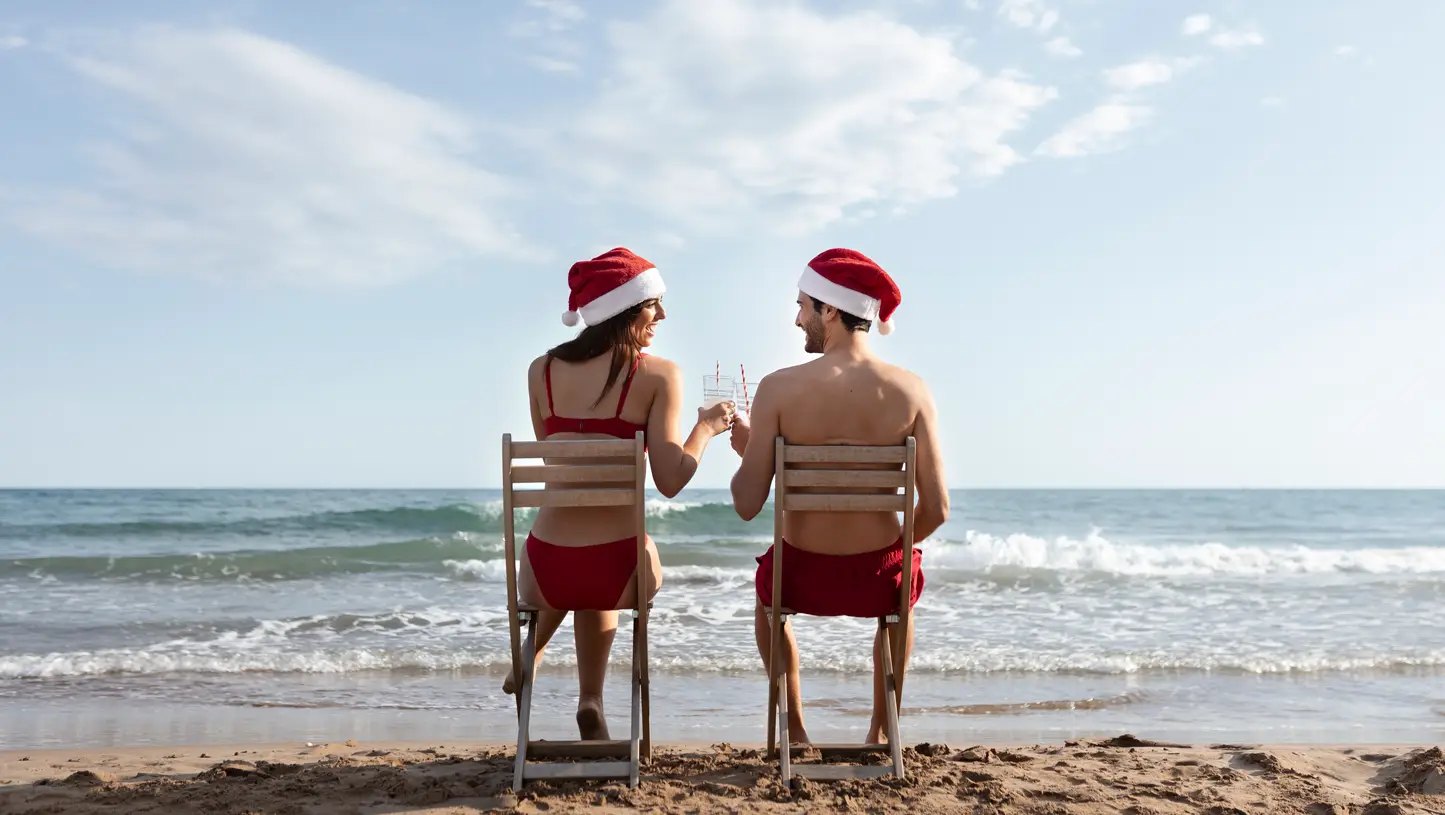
133, 617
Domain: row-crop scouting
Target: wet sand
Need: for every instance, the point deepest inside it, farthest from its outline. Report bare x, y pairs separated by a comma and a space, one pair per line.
1118, 775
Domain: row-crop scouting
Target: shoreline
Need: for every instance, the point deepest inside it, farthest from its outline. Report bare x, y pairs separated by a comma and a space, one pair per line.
1091, 777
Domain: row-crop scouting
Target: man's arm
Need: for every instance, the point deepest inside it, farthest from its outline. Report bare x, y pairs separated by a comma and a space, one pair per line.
932, 509
754, 478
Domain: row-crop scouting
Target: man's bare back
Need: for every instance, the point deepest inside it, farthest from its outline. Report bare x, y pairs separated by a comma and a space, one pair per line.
844, 399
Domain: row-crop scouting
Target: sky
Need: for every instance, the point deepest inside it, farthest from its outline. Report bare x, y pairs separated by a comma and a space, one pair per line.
1140, 243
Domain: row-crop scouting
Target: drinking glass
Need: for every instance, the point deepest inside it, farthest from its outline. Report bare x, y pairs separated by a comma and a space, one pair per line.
718, 389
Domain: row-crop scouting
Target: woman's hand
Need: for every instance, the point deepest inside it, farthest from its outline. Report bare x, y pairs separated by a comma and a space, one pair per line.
717, 419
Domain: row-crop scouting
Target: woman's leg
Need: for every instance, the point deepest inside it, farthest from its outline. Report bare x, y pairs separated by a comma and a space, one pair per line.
548, 619
595, 632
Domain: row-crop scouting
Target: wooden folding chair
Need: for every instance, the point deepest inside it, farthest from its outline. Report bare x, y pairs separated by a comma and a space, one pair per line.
827, 467
625, 465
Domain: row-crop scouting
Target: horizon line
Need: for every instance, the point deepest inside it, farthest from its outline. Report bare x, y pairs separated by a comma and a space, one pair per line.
975, 488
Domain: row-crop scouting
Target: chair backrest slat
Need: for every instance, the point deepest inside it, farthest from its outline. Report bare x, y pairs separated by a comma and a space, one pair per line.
843, 454
582, 448
846, 478
620, 497
574, 473
806, 502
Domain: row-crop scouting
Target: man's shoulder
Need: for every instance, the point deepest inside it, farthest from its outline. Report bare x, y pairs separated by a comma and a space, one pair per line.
783, 377
906, 377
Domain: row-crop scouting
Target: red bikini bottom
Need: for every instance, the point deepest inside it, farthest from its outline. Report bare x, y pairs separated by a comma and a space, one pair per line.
582, 578
863, 585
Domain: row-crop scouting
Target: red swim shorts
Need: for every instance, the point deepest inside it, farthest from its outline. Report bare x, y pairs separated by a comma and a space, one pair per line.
861, 585
578, 578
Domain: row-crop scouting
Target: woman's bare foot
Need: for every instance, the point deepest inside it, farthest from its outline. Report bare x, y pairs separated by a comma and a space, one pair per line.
876, 734
591, 723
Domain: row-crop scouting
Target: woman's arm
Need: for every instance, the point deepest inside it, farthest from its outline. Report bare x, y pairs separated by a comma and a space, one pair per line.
534, 378
674, 463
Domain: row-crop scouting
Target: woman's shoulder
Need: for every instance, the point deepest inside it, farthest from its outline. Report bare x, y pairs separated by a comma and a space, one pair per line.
536, 370
656, 367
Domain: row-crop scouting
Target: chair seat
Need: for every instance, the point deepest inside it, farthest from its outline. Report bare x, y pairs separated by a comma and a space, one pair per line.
523, 608
788, 612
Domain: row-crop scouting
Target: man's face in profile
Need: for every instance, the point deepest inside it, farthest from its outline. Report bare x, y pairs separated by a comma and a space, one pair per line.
811, 321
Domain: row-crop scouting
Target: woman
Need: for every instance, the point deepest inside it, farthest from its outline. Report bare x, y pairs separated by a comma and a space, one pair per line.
601, 385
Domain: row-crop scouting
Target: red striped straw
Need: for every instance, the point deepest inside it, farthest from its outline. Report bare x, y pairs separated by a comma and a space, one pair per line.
744, 372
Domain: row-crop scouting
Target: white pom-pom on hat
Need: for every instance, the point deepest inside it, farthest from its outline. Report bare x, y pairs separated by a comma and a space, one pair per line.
570, 318
885, 328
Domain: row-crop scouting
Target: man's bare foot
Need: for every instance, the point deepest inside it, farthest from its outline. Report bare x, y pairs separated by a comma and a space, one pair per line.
591, 723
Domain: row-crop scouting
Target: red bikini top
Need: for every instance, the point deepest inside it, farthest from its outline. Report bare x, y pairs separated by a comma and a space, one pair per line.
614, 426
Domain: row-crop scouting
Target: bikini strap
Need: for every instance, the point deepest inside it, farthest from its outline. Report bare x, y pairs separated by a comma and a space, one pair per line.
622, 400
547, 372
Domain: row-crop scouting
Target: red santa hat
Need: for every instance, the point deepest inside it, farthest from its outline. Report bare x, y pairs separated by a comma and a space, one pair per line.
851, 282
608, 285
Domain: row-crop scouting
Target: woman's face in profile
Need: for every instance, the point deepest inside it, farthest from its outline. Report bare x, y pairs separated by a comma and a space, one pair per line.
644, 328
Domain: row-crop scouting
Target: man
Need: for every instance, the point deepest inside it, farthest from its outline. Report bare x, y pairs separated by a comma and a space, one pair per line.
840, 563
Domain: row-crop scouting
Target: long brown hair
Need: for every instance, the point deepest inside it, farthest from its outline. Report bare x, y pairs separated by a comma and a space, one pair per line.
614, 334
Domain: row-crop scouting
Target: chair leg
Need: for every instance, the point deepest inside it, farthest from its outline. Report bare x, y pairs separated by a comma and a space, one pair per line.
524, 672
635, 748
780, 688
786, 754
635, 753
777, 626
890, 699
640, 644
772, 705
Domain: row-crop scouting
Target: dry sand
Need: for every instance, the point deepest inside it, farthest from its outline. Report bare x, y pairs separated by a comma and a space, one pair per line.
1120, 775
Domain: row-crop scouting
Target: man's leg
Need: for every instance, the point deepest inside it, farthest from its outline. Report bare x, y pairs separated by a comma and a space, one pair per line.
595, 632
548, 621
899, 640
763, 629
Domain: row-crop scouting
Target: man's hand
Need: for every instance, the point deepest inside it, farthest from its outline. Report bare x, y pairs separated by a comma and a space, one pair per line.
741, 430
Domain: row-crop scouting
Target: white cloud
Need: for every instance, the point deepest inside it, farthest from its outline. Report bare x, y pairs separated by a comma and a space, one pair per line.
1196, 24
1233, 39
1137, 75
557, 15
1028, 14
1346, 51
13, 43
713, 112
554, 65
1271, 102
546, 24
973, 5
1062, 47
246, 157
1098, 131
